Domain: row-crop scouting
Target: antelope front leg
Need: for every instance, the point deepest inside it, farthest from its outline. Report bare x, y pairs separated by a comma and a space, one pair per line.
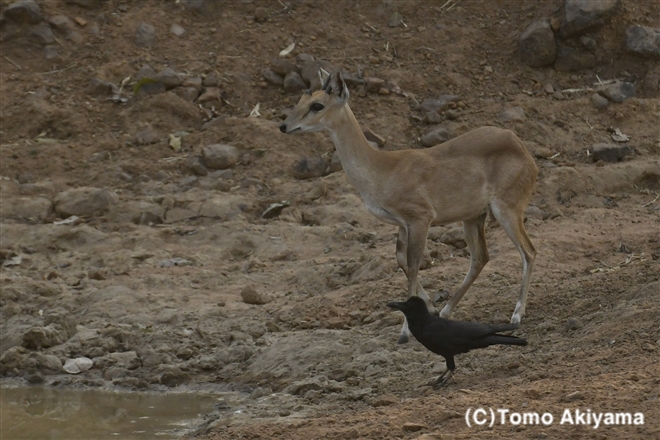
412, 254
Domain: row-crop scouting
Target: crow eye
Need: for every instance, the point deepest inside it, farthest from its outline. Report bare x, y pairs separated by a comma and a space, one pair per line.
316, 107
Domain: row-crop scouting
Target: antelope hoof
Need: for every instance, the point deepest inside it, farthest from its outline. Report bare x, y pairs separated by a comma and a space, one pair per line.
515, 319
403, 339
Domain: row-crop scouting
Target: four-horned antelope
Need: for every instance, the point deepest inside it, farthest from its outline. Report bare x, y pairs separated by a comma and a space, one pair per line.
487, 169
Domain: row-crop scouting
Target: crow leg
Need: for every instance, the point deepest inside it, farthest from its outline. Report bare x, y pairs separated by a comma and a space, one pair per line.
442, 380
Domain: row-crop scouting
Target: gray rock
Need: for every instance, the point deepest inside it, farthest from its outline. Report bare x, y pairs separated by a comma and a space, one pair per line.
609, 152
536, 44
535, 212
454, 237
271, 77
37, 338
309, 71
436, 135
644, 41
99, 87
211, 81
573, 324
220, 156
513, 114
588, 43
187, 93
177, 30
127, 359
373, 85
83, 201
569, 59
261, 14
145, 71
172, 376
38, 208
42, 34
293, 82
439, 104
599, 101
583, 15
50, 52
194, 82
310, 167
251, 296
145, 35
618, 92
169, 78
61, 23
195, 165
283, 67
24, 11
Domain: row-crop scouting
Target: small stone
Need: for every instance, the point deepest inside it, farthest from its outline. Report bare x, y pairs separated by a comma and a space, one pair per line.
77, 365
169, 78
643, 41
599, 101
413, 427
581, 16
618, 92
588, 43
433, 117
145, 35
385, 400
373, 85
99, 87
438, 104
535, 212
310, 167
271, 77
513, 114
609, 152
261, 14
537, 45
24, 11
82, 202
177, 30
549, 89
173, 376
282, 66
335, 163
80, 21
575, 395
251, 296
573, 324
293, 82
61, 23
395, 19
435, 136
193, 81
195, 165
188, 93
42, 34
145, 71
220, 156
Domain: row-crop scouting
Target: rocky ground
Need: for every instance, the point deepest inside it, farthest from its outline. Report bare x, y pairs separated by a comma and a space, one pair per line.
158, 232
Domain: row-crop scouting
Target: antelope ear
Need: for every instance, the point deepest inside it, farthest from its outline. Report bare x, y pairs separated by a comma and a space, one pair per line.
338, 86
324, 77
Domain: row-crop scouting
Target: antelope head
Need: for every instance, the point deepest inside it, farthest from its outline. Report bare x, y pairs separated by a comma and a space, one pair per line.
314, 110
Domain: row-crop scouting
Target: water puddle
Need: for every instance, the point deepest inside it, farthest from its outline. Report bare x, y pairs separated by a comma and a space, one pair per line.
54, 414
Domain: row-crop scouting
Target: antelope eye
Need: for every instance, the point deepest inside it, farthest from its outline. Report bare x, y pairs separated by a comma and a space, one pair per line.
316, 107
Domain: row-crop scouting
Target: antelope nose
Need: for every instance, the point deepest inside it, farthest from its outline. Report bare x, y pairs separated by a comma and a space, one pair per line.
283, 128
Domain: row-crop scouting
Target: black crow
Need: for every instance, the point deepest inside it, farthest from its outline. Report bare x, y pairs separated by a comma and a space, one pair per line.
448, 338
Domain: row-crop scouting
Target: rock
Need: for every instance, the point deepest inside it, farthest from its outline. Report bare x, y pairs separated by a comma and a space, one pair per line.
48, 362
38, 208
413, 427
293, 82
147, 136
145, 71
310, 167
271, 77
210, 94
609, 152
433, 117
435, 136
395, 19
172, 376
569, 59
309, 72
599, 101
82, 202
261, 14
211, 81
373, 137
77, 365
373, 85
187, 93
575, 395
283, 67
99, 87
583, 15
61, 23
643, 41
513, 114
439, 104
145, 35
302, 386
454, 237
194, 82
251, 296
618, 92
573, 324
335, 163
536, 44
220, 156
177, 30
195, 165
169, 78
535, 212
42, 34
127, 359
37, 338
588, 43
385, 400
24, 11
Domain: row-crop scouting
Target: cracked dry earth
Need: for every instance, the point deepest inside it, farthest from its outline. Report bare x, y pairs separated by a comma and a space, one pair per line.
175, 282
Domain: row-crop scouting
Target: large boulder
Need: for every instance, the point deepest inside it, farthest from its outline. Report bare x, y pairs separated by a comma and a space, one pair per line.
644, 41
581, 16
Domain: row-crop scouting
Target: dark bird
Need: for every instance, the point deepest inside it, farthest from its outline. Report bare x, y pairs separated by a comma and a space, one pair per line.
448, 338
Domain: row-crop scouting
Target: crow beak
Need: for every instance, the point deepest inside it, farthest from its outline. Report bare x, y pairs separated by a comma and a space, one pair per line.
396, 305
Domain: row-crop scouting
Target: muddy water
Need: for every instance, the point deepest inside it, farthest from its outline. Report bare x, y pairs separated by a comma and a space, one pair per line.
43, 413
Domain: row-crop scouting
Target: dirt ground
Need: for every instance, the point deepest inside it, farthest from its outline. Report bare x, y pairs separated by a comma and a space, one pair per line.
317, 357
